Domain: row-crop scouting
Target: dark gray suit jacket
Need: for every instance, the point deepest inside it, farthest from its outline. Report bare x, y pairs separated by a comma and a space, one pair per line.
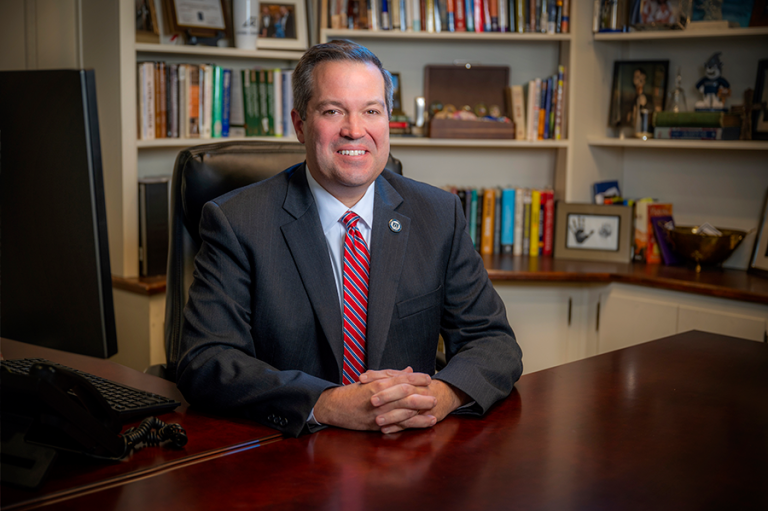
262, 331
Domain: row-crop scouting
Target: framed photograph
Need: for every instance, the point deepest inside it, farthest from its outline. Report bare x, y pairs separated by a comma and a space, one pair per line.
283, 25
591, 232
397, 106
659, 14
760, 103
201, 18
147, 29
759, 261
637, 84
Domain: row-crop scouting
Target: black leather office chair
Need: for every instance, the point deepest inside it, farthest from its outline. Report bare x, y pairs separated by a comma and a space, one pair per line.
200, 174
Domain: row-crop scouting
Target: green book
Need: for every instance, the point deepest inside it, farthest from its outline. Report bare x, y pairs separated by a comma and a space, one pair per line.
250, 104
216, 103
270, 92
473, 217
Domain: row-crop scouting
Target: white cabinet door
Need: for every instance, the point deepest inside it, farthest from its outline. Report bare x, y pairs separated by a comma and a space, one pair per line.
538, 314
737, 319
633, 315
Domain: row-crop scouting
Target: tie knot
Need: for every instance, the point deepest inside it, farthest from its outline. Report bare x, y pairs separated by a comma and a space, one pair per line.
349, 219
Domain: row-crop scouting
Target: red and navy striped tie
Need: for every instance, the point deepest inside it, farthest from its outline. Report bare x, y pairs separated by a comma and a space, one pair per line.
356, 265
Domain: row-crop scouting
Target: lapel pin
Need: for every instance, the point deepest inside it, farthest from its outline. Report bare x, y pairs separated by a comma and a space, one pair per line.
395, 226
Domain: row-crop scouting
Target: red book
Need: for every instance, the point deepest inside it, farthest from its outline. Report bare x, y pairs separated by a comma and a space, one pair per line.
479, 21
461, 19
652, 252
548, 201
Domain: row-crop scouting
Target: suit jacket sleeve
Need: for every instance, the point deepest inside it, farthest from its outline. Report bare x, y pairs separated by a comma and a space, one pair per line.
484, 359
218, 368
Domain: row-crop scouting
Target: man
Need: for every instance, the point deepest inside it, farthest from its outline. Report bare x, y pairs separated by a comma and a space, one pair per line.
286, 21
278, 326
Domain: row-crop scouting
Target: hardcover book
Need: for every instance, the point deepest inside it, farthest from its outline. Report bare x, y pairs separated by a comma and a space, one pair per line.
652, 253
668, 255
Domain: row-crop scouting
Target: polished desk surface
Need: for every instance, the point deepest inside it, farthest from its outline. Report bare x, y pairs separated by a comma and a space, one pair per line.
209, 436
678, 423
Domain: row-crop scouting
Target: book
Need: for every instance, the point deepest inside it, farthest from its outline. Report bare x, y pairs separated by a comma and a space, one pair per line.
559, 104
652, 252
473, 217
517, 248
250, 102
288, 129
206, 100
160, 100
527, 222
507, 236
548, 201
696, 119
497, 222
534, 223
146, 100
502, 16
193, 101
265, 104
542, 109
518, 111
488, 222
668, 256
641, 230
236, 111
479, 218
690, 133
547, 107
468, 208
226, 101
277, 100
216, 101
478, 15
461, 21
173, 101
183, 101
565, 24
519, 16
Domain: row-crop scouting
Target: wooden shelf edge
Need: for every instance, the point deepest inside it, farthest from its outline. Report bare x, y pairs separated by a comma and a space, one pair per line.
327, 33
733, 145
140, 285
190, 142
215, 51
400, 141
681, 34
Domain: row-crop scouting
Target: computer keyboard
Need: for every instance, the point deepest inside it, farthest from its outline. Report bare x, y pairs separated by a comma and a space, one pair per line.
128, 402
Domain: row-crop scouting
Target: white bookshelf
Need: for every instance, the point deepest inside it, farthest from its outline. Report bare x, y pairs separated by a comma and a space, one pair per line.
728, 145
682, 34
215, 51
331, 33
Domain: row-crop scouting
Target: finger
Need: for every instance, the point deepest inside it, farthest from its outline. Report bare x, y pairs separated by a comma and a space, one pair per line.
415, 422
403, 396
371, 375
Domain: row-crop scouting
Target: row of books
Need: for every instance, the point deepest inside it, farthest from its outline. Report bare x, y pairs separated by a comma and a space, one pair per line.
539, 107
650, 245
208, 101
545, 16
697, 125
517, 221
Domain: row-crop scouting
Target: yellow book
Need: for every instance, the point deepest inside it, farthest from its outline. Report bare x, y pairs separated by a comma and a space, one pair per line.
489, 215
535, 212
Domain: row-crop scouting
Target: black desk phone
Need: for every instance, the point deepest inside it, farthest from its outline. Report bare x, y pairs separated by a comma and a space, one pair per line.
52, 408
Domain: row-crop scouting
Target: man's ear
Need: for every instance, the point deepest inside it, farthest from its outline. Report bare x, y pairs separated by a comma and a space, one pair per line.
298, 125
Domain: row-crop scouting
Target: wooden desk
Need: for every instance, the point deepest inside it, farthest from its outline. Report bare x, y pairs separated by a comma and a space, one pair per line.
679, 423
209, 437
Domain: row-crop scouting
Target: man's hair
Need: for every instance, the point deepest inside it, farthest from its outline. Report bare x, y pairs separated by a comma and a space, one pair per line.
336, 50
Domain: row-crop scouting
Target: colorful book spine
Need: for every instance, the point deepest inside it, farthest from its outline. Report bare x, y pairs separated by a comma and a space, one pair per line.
527, 222
641, 229
489, 217
519, 16
461, 19
652, 253
183, 101
548, 198
193, 100
517, 248
507, 220
559, 103
478, 15
469, 12
473, 218
518, 111
533, 249
216, 102
277, 101
161, 113
497, 222
565, 25
226, 102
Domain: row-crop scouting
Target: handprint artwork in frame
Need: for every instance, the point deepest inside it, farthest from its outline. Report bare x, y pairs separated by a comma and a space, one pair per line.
593, 232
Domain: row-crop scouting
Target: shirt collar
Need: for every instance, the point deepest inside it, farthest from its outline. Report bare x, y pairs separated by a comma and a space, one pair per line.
332, 209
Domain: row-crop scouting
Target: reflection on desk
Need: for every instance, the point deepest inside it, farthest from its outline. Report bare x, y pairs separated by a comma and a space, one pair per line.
679, 423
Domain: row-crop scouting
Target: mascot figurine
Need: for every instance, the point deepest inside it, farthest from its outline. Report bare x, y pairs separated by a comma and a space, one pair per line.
713, 86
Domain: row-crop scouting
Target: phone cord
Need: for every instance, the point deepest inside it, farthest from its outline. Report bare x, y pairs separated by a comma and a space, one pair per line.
153, 432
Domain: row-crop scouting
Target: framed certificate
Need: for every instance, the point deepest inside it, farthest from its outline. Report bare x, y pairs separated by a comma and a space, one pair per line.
204, 18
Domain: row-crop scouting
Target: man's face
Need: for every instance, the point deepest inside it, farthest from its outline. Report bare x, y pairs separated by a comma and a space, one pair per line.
639, 80
346, 133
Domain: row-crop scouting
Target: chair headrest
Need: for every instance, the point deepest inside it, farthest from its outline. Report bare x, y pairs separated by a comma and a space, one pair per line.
205, 172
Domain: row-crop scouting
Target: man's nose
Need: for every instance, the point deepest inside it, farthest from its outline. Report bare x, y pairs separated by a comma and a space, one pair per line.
352, 127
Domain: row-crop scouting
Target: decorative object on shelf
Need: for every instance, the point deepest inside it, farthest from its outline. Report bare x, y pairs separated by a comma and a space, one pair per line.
637, 86
759, 261
284, 25
704, 250
602, 190
591, 232
729, 13
713, 86
204, 22
147, 28
397, 106
245, 21
676, 102
613, 16
760, 103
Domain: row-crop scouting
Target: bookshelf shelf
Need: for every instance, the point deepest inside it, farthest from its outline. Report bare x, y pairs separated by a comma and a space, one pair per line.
682, 34
190, 142
330, 33
214, 51
732, 145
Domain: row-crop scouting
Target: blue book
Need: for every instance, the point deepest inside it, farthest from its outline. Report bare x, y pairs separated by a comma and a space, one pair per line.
226, 94
603, 189
473, 217
547, 107
469, 14
507, 220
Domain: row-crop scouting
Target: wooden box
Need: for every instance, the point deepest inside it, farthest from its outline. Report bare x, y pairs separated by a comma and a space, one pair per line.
467, 84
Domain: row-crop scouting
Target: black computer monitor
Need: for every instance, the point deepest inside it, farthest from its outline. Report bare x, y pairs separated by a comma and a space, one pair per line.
55, 278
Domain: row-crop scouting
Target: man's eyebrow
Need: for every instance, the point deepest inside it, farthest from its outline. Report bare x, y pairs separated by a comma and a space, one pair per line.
330, 102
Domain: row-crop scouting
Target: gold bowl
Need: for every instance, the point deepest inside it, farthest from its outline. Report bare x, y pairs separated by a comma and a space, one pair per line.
703, 249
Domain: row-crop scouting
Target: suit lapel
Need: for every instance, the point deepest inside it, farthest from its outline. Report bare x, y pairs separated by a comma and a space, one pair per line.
387, 257
308, 246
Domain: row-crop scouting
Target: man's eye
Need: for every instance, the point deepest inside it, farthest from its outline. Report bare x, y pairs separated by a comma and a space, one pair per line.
331, 112
373, 112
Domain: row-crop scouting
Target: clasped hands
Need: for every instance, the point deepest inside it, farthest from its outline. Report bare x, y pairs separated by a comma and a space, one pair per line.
390, 401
